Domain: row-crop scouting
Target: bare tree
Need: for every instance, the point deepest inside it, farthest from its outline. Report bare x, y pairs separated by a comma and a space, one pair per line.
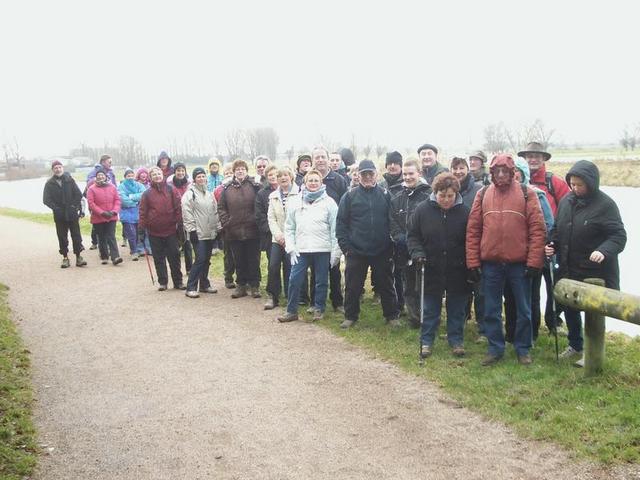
262, 141
367, 150
380, 149
234, 140
534, 132
12, 152
329, 144
289, 153
131, 152
354, 147
495, 138
630, 139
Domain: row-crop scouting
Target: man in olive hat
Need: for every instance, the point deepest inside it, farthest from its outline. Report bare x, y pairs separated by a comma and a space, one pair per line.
478, 167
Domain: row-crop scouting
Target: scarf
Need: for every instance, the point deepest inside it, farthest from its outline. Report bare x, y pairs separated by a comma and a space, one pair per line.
311, 197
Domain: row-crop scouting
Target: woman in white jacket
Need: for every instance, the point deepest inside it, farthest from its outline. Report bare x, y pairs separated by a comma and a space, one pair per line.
310, 240
200, 219
279, 262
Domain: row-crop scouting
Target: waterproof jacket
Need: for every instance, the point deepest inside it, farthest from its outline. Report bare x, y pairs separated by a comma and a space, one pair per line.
299, 180
277, 212
160, 210
261, 212
558, 185
91, 177
63, 198
311, 227
481, 176
130, 193
236, 209
336, 186
213, 180
504, 227
200, 212
468, 189
393, 183
439, 236
363, 221
103, 198
402, 208
585, 224
430, 173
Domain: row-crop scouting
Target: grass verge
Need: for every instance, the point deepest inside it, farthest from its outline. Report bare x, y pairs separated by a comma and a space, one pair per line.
18, 446
47, 219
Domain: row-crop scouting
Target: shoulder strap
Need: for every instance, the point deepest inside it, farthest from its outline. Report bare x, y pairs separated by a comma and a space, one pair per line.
548, 180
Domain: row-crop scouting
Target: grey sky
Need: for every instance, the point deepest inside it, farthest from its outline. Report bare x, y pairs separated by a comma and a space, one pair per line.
397, 73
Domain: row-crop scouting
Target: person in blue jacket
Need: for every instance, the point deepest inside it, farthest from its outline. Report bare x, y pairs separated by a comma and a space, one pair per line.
130, 193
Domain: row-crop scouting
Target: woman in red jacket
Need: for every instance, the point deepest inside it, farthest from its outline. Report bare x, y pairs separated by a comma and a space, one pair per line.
104, 204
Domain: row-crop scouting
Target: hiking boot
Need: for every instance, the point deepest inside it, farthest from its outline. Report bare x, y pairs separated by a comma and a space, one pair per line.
394, 323
570, 352
347, 324
180, 286
339, 309
579, 363
192, 294
240, 291
162, 288
425, 351
134, 257
65, 263
80, 262
490, 359
93, 246
458, 351
255, 292
270, 304
525, 359
317, 316
230, 285
209, 290
124, 243
480, 339
104, 261
311, 310
288, 317
117, 261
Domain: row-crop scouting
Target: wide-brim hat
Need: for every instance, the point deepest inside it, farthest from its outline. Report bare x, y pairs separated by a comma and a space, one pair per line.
535, 147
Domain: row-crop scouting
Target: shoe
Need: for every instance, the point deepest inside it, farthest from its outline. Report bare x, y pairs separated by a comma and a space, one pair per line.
240, 291
288, 317
134, 257
192, 294
394, 323
525, 359
209, 290
458, 351
180, 286
117, 261
269, 304
124, 243
480, 339
93, 246
230, 285
104, 261
376, 299
490, 359
80, 262
570, 352
311, 310
317, 316
65, 263
255, 292
302, 303
339, 309
579, 363
425, 351
347, 324
162, 288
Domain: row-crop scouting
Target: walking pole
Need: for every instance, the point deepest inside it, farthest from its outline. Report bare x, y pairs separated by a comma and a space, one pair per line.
421, 362
553, 304
153, 282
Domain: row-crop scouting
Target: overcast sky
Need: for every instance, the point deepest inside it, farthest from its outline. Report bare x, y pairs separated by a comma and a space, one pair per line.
399, 74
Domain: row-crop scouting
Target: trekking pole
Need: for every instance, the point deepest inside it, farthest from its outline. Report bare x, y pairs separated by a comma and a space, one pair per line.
421, 362
553, 305
146, 255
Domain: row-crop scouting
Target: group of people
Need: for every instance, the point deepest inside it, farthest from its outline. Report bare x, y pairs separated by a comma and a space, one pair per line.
476, 234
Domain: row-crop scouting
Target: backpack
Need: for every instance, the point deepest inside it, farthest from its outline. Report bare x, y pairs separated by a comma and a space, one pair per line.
548, 176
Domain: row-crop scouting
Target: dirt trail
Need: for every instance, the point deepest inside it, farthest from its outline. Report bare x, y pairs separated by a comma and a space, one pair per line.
132, 383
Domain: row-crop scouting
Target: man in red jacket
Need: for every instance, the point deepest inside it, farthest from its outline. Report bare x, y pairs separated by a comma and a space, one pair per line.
505, 242
160, 214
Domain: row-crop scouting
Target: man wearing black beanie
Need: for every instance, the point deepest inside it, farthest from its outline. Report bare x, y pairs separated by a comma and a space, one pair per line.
430, 165
392, 178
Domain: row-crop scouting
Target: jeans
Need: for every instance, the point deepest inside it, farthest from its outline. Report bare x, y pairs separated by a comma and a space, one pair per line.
199, 273
107, 244
477, 298
166, 249
320, 262
144, 245
246, 254
130, 231
381, 276
574, 328
456, 309
335, 286
279, 263
494, 276
63, 228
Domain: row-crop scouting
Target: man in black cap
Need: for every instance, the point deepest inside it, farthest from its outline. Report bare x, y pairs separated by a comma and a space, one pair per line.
303, 165
362, 228
392, 178
478, 167
430, 165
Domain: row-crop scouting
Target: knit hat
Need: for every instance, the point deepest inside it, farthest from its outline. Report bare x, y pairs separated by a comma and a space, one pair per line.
480, 155
302, 158
179, 165
366, 166
197, 171
347, 156
55, 163
393, 157
427, 146
127, 172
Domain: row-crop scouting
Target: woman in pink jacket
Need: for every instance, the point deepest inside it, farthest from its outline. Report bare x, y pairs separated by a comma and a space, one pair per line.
104, 204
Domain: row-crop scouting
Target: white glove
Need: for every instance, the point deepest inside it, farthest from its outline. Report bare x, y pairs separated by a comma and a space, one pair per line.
293, 256
335, 260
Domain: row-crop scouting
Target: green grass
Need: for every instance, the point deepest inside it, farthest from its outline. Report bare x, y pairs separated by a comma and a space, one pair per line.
47, 219
18, 448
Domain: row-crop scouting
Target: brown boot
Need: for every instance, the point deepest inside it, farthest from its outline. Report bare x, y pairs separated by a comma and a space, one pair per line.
240, 291
255, 292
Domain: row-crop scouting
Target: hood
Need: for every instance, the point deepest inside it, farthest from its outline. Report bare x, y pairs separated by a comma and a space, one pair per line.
162, 155
523, 166
502, 160
459, 201
211, 162
588, 172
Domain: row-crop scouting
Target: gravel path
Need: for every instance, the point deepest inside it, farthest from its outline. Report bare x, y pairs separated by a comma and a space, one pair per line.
132, 383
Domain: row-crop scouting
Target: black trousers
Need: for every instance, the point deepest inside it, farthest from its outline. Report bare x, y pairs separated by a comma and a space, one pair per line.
279, 271
229, 262
382, 276
63, 228
107, 243
94, 235
166, 249
246, 254
411, 294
